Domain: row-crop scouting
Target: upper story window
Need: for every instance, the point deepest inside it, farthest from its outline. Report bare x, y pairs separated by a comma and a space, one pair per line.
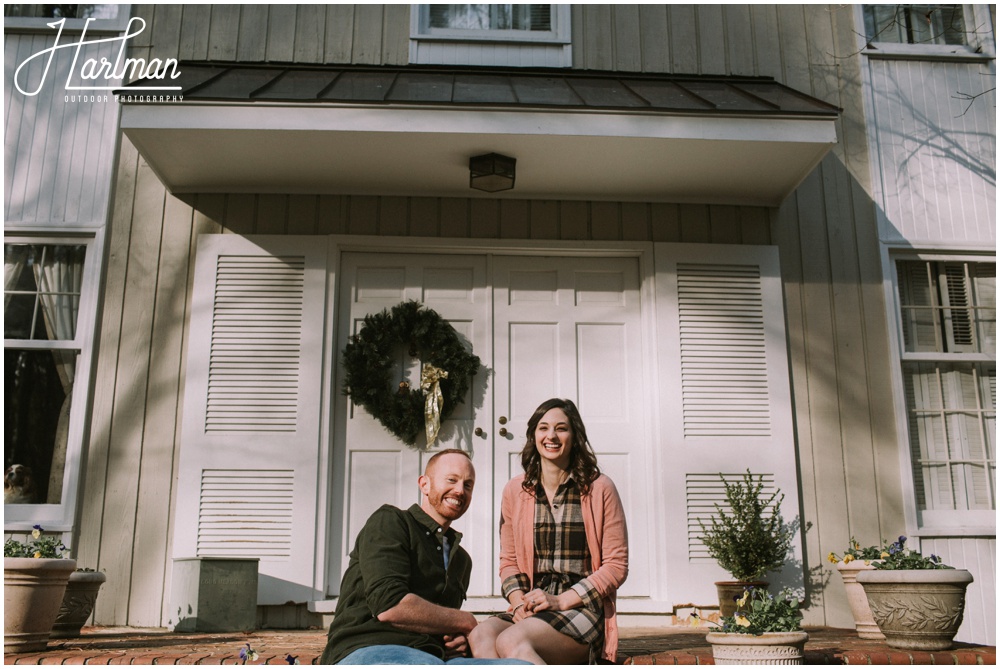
37, 17
926, 31
947, 312
489, 21
491, 35
915, 24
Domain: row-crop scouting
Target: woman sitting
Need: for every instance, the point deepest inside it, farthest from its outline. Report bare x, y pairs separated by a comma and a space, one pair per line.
563, 550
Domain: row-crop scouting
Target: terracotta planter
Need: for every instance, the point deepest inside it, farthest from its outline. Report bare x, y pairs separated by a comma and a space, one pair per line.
730, 591
858, 600
767, 648
917, 609
33, 590
78, 603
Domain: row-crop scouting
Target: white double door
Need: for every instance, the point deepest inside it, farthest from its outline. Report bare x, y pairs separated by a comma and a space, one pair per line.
542, 327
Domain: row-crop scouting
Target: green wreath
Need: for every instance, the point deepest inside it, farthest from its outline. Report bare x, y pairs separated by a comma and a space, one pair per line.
370, 354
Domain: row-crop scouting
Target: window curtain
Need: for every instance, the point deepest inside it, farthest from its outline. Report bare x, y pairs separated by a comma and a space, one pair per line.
59, 276
14, 258
491, 17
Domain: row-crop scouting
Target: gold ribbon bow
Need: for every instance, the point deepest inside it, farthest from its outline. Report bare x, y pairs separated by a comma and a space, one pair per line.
430, 383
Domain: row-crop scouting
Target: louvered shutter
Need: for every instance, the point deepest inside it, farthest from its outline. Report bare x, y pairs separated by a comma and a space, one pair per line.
250, 451
725, 397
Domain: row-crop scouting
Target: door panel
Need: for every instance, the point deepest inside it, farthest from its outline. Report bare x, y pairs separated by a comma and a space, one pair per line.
371, 466
571, 327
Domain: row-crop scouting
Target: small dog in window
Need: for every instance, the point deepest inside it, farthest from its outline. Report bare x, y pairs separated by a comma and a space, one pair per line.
18, 485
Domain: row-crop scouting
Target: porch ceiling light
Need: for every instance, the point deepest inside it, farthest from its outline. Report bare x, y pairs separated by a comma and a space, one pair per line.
491, 172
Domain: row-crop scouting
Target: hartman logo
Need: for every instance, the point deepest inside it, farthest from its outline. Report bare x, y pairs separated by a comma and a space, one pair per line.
104, 74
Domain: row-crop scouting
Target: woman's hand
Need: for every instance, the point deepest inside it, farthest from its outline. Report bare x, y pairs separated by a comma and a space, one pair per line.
539, 600
517, 606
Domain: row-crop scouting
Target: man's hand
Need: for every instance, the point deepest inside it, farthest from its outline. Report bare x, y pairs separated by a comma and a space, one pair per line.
455, 645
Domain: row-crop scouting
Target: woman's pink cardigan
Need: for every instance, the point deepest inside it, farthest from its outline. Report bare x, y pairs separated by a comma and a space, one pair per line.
607, 539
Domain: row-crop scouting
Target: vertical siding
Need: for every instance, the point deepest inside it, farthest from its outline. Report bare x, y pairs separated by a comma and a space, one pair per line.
58, 151
306, 34
938, 151
979, 556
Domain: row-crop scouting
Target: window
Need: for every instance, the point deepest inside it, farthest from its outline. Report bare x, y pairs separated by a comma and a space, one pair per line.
63, 11
509, 19
37, 17
503, 35
915, 24
948, 328
43, 285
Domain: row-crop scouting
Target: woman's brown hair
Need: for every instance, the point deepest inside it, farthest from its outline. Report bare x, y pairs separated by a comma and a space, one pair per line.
582, 460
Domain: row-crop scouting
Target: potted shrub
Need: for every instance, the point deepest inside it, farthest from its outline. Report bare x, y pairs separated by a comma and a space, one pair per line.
916, 601
856, 559
78, 603
763, 630
34, 582
747, 540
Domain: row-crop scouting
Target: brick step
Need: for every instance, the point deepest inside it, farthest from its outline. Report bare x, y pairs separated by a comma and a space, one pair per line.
668, 645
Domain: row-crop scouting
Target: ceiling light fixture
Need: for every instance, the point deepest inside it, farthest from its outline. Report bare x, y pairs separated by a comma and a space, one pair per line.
491, 172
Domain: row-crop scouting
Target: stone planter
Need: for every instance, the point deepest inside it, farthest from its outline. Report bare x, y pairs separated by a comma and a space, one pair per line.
767, 648
730, 591
78, 603
858, 600
33, 590
917, 609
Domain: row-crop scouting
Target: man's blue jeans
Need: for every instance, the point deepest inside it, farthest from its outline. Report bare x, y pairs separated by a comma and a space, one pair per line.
390, 654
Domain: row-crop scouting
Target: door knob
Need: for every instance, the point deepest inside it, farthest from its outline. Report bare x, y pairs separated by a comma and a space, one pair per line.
479, 431
503, 432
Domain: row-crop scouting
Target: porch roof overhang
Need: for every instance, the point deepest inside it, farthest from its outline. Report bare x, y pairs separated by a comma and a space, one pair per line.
411, 131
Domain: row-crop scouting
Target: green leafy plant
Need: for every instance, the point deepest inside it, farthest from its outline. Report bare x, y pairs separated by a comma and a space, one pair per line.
758, 611
897, 556
856, 552
750, 538
40, 546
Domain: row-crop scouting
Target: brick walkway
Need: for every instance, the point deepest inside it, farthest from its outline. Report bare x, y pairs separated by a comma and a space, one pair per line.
103, 645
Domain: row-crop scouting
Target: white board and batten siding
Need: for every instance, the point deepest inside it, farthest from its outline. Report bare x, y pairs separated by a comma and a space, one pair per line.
58, 151
937, 151
254, 477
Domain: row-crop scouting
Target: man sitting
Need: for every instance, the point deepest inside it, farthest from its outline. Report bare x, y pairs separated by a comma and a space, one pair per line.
407, 578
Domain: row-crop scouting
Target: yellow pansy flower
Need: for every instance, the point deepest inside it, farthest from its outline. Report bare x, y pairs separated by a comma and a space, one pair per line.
884, 555
848, 558
695, 620
38, 554
832, 557
742, 621
742, 601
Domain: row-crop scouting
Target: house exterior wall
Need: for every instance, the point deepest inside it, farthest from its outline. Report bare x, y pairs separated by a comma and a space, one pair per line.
59, 162
59, 155
827, 234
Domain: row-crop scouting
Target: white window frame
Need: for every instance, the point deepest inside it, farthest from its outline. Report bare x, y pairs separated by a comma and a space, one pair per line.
59, 517
559, 34
979, 30
927, 522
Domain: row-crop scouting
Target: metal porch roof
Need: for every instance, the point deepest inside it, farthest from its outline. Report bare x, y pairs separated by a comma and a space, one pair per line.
570, 89
409, 131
